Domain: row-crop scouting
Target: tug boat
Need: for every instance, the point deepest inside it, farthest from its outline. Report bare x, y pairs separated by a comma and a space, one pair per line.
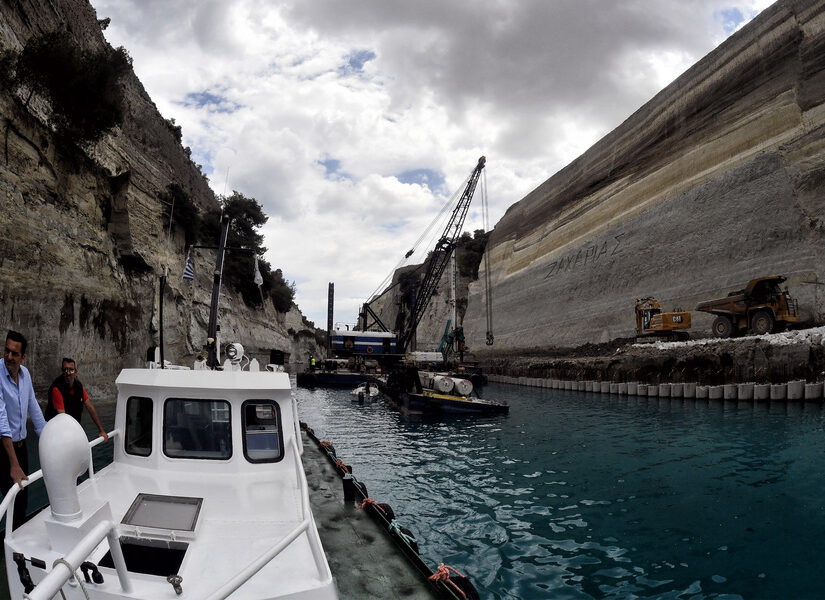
206, 496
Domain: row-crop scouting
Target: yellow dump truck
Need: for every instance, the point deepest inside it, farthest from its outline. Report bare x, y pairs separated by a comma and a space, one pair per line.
762, 307
653, 325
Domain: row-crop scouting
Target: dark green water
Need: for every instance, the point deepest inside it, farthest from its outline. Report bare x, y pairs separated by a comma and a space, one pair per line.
577, 495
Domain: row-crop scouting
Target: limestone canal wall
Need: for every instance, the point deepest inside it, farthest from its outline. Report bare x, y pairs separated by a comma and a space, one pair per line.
718, 179
83, 234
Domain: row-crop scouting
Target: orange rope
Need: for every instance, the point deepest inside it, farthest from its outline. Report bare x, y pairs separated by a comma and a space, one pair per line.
341, 464
442, 573
373, 503
327, 445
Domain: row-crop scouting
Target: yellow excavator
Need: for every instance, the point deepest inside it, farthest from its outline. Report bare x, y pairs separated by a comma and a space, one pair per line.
654, 325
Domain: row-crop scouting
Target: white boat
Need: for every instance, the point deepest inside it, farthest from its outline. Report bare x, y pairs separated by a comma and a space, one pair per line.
365, 392
205, 498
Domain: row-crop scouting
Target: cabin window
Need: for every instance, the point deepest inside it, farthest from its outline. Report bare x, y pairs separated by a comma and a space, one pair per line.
138, 439
263, 438
197, 429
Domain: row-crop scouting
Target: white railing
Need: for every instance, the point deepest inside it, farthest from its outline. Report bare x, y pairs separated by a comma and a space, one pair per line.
303, 527
64, 569
7, 506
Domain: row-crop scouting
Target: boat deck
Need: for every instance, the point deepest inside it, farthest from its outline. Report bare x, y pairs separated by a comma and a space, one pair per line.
364, 562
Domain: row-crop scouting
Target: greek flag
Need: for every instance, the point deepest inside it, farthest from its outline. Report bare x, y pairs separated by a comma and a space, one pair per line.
188, 271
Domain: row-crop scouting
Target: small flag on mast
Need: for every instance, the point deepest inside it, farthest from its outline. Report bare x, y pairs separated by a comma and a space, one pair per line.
188, 270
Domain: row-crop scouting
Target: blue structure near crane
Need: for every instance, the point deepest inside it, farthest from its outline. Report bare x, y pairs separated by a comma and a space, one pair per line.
371, 349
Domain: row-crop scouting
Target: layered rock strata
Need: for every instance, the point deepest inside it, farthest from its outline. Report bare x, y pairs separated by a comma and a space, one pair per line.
718, 179
83, 237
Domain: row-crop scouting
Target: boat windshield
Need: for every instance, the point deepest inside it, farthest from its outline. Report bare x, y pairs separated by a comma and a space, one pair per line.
197, 429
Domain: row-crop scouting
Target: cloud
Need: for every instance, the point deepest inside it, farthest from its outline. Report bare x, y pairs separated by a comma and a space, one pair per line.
352, 123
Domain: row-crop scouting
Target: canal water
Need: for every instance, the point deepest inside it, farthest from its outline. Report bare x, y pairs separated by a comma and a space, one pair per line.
576, 495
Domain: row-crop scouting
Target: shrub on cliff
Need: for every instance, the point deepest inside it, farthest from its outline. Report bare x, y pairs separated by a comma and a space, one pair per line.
470, 251
82, 86
247, 217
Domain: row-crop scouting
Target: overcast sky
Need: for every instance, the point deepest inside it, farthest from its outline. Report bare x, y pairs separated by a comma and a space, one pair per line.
353, 122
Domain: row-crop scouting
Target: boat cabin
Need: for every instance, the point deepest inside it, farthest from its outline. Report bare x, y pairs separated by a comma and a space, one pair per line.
205, 497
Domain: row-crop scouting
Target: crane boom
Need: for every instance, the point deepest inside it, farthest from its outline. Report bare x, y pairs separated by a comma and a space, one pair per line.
440, 257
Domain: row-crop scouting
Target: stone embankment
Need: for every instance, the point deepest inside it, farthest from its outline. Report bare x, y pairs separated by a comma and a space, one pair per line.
771, 359
792, 390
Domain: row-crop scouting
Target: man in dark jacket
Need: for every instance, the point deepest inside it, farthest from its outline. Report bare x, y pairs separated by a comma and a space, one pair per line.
67, 395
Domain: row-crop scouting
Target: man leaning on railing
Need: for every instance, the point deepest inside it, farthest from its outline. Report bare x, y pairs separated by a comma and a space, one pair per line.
17, 403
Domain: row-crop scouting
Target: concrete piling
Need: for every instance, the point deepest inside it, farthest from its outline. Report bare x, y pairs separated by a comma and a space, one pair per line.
813, 391
796, 390
779, 391
748, 391
744, 391
762, 392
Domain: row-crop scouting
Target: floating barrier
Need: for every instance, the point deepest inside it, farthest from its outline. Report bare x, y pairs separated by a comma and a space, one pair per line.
797, 390
447, 582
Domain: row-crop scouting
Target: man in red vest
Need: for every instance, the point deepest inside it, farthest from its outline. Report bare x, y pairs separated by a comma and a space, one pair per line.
67, 395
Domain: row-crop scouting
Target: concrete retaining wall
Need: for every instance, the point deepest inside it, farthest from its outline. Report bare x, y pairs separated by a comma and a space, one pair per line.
784, 392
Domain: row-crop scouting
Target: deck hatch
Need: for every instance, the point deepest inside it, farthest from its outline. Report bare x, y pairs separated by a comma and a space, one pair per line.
164, 514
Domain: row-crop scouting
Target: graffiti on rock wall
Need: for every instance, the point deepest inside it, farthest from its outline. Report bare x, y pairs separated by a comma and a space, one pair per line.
584, 256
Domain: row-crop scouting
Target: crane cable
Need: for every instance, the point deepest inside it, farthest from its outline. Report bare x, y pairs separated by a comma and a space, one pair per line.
488, 292
427, 232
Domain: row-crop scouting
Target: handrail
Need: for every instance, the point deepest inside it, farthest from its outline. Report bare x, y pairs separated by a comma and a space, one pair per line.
61, 572
7, 506
264, 559
63, 569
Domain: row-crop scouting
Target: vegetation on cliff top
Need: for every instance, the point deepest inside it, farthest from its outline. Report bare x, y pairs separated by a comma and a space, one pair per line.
471, 249
82, 86
247, 217
83, 89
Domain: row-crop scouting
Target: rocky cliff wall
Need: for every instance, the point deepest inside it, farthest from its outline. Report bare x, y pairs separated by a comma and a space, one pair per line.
83, 238
718, 179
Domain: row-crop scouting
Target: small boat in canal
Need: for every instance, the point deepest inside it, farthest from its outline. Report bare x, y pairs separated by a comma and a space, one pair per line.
367, 392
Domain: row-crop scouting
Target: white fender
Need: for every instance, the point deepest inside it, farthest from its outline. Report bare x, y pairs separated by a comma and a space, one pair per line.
64, 456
